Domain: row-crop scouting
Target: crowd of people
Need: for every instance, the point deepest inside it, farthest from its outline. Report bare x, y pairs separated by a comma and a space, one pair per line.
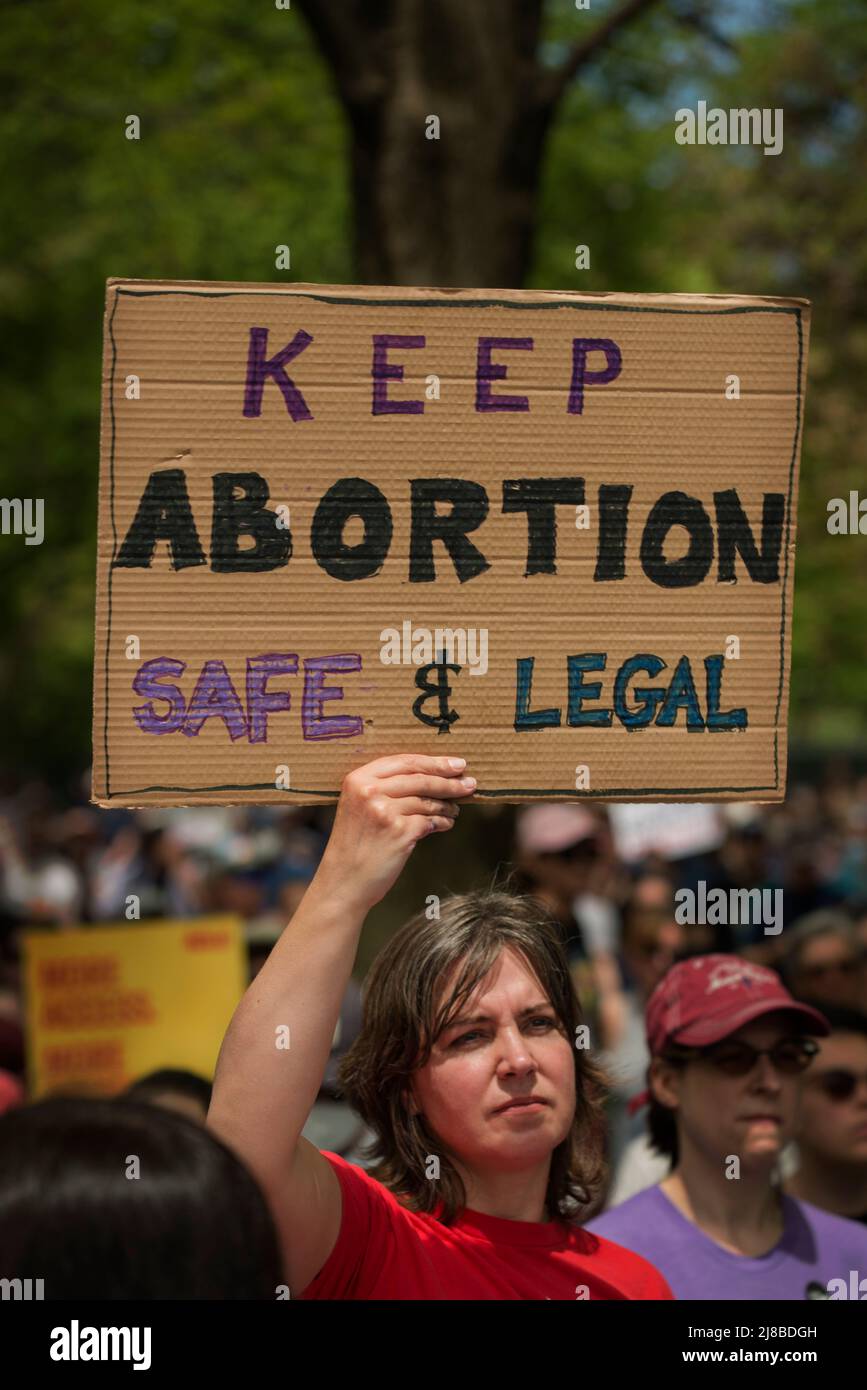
720, 1055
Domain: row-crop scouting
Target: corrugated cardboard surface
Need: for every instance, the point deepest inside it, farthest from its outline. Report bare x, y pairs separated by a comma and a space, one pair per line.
663, 424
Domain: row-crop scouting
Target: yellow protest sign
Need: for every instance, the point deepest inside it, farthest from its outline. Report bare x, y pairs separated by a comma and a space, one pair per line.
107, 1004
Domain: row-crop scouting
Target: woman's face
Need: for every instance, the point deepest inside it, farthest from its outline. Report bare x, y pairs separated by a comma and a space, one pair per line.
505, 1046
835, 1129
828, 970
751, 1117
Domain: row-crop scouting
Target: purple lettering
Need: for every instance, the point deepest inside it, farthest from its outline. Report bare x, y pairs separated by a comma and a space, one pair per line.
262, 702
580, 375
488, 371
313, 723
384, 371
145, 683
215, 697
260, 367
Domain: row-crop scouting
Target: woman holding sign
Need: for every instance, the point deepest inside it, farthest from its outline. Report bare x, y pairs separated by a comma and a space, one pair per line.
471, 1067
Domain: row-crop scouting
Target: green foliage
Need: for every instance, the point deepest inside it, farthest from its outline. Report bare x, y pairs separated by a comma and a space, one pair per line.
243, 147
659, 216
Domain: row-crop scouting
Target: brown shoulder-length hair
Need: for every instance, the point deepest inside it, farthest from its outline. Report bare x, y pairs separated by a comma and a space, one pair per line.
661, 1119
403, 1016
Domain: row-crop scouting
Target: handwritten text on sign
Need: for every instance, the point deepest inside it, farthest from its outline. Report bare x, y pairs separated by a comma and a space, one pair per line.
333, 516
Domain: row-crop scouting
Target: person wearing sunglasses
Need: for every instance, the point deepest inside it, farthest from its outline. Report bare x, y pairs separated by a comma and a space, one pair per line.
822, 960
832, 1124
730, 1050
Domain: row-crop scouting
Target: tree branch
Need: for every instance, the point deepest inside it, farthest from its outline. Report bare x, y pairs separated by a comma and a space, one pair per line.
695, 17
554, 84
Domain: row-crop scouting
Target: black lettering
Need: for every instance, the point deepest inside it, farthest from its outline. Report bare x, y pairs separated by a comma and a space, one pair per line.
677, 509
469, 509
613, 519
734, 534
164, 514
245, 516
347, 498
538, 497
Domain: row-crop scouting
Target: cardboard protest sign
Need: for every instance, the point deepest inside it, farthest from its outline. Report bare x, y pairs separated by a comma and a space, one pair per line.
550, 532
106, 1005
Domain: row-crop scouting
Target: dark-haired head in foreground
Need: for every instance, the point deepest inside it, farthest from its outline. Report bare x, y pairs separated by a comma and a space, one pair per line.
174, 1089
192, 1224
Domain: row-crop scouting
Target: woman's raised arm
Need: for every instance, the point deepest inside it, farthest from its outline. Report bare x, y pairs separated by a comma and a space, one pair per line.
277, 1045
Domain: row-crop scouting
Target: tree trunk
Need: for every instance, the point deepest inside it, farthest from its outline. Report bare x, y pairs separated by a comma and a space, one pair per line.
459, 209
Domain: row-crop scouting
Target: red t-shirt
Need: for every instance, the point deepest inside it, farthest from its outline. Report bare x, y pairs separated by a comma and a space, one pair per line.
384, 1251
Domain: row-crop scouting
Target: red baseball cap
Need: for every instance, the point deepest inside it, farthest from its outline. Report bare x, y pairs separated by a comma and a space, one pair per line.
702, 1000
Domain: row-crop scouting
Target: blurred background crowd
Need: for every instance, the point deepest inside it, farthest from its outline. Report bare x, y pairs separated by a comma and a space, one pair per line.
613, 878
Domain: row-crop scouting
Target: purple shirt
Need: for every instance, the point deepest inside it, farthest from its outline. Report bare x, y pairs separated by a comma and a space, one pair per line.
815, 1248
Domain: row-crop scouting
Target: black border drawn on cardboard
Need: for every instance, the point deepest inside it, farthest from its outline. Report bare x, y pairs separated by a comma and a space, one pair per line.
562, 794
